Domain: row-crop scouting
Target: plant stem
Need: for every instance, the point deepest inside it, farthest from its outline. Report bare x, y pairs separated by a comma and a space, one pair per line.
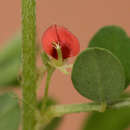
29, 73
60, 110
49, 75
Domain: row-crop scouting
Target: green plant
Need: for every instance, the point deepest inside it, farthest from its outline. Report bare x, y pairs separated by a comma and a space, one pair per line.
100, 73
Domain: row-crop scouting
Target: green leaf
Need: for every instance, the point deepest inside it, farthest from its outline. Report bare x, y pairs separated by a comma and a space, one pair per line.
10, 60
56, 121
9, 74
115, 40
9, 112
118, 119
45, 59
109, 120
53, 124
11, 50
98, 75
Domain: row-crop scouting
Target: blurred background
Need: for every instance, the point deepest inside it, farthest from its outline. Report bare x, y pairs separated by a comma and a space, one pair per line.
83, 18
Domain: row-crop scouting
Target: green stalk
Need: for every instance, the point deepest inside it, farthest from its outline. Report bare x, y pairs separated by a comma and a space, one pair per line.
61, 110
29, 63
45, 98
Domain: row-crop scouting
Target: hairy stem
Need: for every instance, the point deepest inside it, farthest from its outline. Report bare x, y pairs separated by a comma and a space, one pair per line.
29, 63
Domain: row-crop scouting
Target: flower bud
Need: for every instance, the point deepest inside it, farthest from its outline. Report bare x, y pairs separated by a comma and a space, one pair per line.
59, 35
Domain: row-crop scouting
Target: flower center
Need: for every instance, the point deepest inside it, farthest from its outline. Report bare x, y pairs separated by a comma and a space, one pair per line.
64, 49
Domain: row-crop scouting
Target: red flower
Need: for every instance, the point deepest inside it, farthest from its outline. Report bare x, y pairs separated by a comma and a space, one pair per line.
68, 42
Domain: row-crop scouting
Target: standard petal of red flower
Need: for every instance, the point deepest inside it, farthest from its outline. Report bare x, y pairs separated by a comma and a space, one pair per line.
68, 42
